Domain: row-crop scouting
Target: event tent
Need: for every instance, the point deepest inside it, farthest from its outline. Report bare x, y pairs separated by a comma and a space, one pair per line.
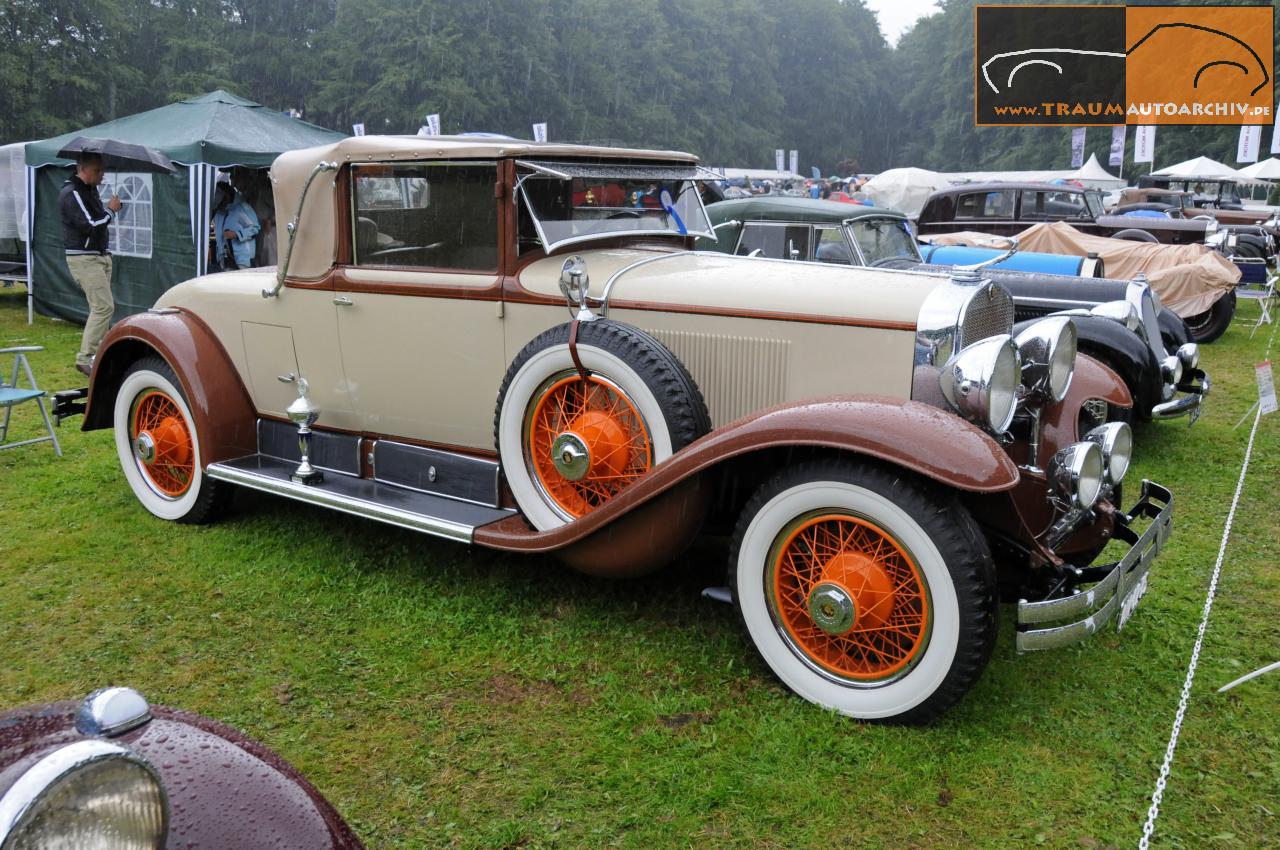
1202, 167
160, 238
1268, 169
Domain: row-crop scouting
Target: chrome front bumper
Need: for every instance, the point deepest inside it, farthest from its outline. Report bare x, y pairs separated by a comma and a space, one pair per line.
1118, 587
1195, 384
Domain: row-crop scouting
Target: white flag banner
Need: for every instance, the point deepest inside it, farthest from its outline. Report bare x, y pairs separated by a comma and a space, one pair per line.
1250, 143
1118, 134
357, 129
780, 159
540, 132
1144, 145
795, 162
432, 127
1275, 132
1077, 147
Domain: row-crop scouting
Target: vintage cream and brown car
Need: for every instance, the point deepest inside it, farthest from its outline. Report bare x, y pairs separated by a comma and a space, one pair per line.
513, 345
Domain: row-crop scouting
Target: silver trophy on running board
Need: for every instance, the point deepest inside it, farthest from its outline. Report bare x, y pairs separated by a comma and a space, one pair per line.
304, 414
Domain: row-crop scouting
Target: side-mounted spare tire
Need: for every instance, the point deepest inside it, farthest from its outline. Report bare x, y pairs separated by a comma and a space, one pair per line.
568, 446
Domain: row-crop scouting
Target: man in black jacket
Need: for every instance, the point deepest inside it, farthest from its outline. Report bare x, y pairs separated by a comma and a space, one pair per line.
84, 237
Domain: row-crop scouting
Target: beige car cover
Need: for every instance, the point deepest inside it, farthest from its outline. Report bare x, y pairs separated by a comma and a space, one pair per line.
1188, 278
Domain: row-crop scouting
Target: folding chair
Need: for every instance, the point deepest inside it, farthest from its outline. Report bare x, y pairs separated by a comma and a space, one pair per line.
12, 395
1264, 294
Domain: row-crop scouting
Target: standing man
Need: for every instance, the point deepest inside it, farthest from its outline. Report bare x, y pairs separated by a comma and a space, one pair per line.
84, 237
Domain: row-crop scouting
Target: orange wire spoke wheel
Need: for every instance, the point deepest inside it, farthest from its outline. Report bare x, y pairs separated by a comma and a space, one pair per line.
848, 597
162, 444
584, 442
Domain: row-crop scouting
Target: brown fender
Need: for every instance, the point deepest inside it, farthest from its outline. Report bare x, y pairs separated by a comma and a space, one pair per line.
932, 442
225, 419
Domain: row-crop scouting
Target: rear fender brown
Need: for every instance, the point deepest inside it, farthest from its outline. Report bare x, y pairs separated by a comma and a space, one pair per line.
926, 440
225, 419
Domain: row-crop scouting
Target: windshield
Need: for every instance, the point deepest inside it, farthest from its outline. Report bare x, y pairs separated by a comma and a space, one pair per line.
596, 207
1094, 201
883, 239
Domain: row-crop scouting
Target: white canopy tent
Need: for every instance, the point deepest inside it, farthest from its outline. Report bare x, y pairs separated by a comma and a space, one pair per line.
1200, 167
14, 211
1268, 169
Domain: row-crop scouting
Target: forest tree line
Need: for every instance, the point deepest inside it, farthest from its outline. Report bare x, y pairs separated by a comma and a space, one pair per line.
730, 80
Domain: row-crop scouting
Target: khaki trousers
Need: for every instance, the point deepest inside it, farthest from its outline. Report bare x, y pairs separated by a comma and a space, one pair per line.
93, 273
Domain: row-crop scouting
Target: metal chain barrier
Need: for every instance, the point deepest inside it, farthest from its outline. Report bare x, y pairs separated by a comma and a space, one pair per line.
1158, 795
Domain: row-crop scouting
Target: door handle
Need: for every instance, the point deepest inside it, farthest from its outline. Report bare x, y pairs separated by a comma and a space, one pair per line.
288, 378
343, 301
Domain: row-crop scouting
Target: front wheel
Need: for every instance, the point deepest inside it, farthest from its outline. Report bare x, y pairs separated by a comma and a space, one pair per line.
1212, 323
159, 448
865, 590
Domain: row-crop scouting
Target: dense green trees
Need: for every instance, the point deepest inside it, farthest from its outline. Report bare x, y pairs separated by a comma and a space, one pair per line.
728, 79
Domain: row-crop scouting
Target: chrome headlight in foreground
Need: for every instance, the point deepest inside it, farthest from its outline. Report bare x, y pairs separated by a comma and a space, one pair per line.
1075, 474
1047, 350
1171, 369
1119, 311
981, 382
1116, 441
90, 795
1189, 354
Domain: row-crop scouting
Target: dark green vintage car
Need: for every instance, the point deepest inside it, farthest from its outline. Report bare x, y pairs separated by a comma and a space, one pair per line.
785, 228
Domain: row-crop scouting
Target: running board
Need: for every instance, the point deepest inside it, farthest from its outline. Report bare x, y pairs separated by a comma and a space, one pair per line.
439, 516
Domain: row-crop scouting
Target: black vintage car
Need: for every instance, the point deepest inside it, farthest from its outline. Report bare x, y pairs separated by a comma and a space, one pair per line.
1120, 323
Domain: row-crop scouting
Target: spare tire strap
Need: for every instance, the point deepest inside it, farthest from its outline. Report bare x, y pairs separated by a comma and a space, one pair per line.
573, 350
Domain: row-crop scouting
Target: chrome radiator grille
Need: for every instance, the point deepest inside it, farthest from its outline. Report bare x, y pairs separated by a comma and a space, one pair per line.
988, 312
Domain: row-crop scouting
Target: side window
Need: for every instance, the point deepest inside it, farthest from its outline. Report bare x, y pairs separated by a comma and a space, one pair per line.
832, 247
986, 205
1033, 206
425, 216
778, 242
1065, 205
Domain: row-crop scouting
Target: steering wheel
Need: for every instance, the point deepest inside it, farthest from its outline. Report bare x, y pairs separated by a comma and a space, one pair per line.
624, 214
889, 262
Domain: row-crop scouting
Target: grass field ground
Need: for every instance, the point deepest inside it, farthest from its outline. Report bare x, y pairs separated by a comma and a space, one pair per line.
447, 697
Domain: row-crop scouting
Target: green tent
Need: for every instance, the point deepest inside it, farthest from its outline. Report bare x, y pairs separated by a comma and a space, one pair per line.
160, 239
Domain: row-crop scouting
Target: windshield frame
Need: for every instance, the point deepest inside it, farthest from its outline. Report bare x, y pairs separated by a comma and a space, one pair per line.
851, 237
689, 185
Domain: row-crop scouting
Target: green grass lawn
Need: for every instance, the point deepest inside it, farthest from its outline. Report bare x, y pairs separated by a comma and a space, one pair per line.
442, 696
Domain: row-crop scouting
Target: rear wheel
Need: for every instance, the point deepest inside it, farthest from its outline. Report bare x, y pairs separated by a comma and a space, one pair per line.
1213, 323
159, 448
864, 589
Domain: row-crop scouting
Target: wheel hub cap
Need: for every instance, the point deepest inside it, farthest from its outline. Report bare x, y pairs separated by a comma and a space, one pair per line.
832, 608
144, 447
571, 456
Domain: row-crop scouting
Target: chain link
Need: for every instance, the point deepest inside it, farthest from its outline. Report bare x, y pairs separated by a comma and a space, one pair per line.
1162, 781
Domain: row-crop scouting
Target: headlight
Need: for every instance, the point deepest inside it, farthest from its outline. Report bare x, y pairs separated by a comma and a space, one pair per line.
981, 382
1189, 355
1075, 474
1119, 311
1116, 441
1171, 369
1047, 351
90, 795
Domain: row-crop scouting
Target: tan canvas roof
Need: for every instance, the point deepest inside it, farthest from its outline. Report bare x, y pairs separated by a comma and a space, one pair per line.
313, 251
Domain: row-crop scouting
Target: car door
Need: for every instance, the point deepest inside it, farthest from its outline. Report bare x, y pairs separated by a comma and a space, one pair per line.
419, 303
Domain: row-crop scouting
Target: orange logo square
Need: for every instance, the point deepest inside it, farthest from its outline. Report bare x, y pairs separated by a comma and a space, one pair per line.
1199, 64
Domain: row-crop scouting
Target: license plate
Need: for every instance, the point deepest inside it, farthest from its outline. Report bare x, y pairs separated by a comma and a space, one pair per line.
1195, 414
1131, 600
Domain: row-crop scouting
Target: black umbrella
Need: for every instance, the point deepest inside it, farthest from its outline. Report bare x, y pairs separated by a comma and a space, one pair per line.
119, 156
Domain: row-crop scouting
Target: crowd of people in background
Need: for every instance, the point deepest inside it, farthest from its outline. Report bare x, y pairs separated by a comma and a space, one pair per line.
843, 189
